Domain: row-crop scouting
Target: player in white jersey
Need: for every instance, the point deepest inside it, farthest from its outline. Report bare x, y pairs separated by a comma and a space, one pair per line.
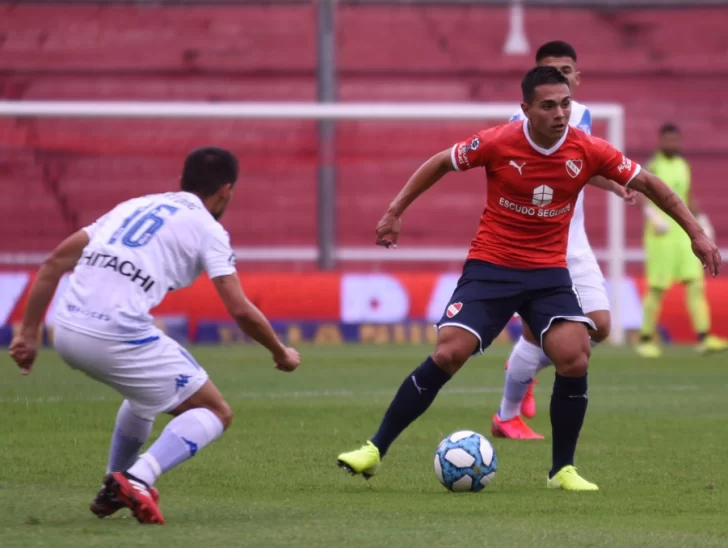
527, 357
123, 265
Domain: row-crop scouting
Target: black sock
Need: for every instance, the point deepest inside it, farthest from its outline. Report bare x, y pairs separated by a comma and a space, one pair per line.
701, 336
568, 408
413, 398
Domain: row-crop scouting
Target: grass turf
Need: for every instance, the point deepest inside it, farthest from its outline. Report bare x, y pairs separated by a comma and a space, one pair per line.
655, 441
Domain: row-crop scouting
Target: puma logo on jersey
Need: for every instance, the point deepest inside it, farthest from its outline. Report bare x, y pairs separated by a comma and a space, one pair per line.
519, 168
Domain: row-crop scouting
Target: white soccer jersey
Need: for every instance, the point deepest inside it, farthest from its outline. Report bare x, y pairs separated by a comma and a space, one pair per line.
578, 244
139, 251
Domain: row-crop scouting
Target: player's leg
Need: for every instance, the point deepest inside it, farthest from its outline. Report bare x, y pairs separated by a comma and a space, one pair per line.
418, 390
130, 434
96, 358
527, 358
155, 377
557, 315
467, 327
660, 265
197, 422
522, 366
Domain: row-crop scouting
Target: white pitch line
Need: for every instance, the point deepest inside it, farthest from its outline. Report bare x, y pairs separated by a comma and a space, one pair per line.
316, 394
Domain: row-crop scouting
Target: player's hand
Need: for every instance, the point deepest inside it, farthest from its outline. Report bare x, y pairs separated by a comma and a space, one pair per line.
288, 360
388, 230
708, 253
23, 351
630, 196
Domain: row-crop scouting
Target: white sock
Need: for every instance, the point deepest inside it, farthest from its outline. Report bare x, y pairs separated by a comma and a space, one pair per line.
130, 434
522, 366
181, 439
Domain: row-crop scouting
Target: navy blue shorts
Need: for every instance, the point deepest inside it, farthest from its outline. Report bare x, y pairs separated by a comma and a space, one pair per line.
487, 296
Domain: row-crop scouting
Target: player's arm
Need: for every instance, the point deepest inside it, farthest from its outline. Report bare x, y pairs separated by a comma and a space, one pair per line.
652, 214
665, 198
63, 259
700, 215
252, 321
627, 194
612, 164
462, 156
427, 175
219, 261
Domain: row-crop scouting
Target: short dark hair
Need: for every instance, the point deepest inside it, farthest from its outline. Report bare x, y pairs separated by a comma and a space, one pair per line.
538, 76
669, 127
206, 169
556, 48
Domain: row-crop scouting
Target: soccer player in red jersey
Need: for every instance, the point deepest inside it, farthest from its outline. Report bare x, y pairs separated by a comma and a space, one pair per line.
517, 261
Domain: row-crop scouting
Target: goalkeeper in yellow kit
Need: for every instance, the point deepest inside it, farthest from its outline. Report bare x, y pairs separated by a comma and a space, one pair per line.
668, 255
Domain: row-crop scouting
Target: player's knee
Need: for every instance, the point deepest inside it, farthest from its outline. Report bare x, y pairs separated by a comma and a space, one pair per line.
224, 413
567, 344
454, 347
574, 364
450, 358
573, 360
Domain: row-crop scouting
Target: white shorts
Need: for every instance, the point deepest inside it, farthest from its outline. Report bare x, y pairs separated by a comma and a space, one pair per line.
155, 377
589, 282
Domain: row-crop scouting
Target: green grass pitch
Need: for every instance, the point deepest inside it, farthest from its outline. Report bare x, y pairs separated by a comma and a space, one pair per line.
655, 440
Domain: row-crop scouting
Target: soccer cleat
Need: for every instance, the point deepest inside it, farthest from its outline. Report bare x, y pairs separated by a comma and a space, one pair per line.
364, 461
106, 504
649, 349
712, 344
135, 495
569, 480
513, 428
528, 405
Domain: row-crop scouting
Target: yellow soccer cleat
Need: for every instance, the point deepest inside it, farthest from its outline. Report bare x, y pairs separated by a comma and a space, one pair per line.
569, 480
364, 461
712, 344
649, 349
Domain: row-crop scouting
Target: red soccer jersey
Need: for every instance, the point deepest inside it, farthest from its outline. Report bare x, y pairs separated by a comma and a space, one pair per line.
532, 191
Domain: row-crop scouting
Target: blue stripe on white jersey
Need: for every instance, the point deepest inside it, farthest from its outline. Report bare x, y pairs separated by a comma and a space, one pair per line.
585, 121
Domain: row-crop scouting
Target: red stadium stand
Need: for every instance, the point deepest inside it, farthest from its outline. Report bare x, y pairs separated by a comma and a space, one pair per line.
76, 169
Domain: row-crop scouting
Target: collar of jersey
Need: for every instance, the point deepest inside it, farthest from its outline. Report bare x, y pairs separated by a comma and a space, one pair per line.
544, 151
194, 198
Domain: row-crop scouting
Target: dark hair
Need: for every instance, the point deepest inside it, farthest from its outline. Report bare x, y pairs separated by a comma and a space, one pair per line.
538, 76
669, 127
206, 169
556, 48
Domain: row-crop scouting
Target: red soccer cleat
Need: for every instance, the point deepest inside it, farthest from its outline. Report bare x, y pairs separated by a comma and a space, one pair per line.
106, 504
528, 405
135, 495
513, 428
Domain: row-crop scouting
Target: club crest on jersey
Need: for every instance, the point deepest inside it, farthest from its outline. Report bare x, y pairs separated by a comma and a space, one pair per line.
453, 309
573, 168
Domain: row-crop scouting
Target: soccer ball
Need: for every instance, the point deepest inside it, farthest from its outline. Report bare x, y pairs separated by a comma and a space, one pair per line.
465, 461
